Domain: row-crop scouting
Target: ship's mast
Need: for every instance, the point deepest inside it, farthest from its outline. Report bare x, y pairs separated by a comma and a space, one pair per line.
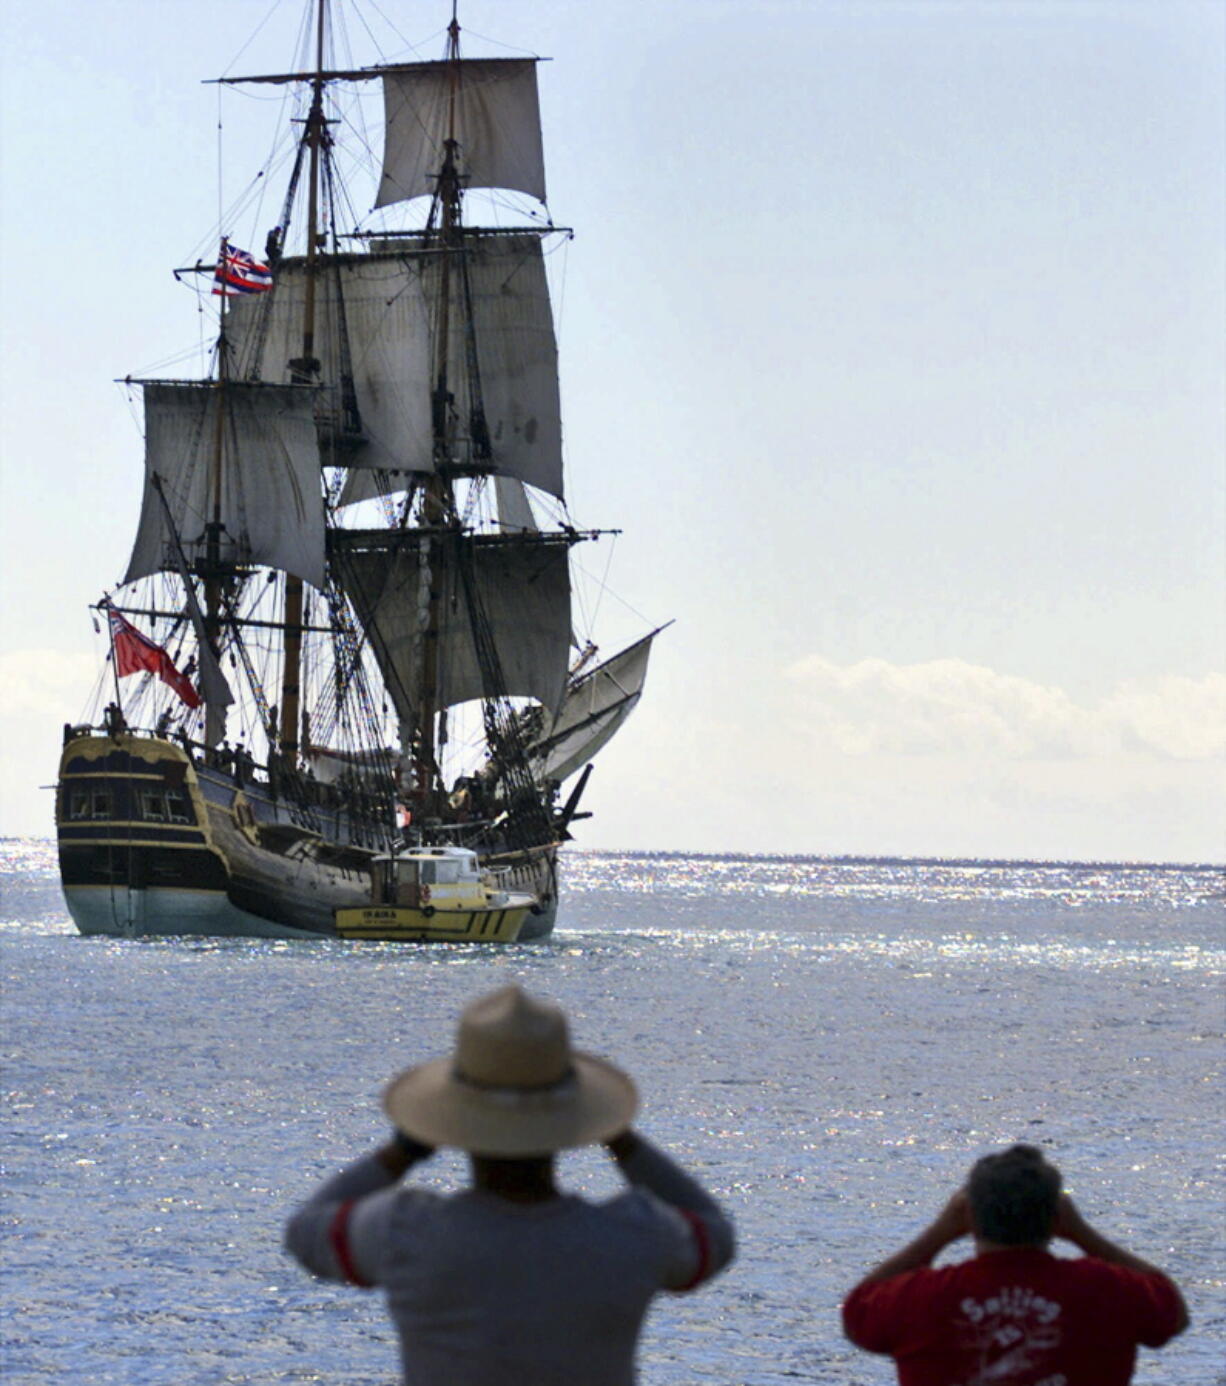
438, 507
214, 715
305, 371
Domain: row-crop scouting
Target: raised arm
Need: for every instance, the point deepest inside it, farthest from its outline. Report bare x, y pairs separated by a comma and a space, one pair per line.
870, 1317
951, 1223
1073, 1228
317, 1234
646, 1166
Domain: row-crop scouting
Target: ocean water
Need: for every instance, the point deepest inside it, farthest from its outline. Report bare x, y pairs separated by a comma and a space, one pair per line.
829, 1044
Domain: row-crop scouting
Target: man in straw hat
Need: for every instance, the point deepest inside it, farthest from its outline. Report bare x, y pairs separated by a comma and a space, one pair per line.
512, 1282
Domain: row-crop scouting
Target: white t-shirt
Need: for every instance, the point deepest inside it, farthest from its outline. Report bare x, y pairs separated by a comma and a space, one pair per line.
486, 1292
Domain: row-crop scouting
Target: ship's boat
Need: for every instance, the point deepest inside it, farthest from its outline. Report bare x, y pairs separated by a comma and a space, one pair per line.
344, 650
437, 895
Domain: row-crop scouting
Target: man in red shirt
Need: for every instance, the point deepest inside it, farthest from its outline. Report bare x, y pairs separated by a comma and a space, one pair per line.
1013, 1315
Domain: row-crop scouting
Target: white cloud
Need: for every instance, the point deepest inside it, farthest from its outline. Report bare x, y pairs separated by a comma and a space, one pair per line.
948, 706
45, 682
40, 690
1179, 717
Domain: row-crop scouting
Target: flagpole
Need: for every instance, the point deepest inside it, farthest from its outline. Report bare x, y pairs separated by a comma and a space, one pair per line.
110, 635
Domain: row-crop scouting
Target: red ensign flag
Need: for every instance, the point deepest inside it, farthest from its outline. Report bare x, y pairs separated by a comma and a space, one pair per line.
134, 652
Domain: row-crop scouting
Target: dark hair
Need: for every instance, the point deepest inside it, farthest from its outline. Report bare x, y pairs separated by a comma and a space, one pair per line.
1014, 1197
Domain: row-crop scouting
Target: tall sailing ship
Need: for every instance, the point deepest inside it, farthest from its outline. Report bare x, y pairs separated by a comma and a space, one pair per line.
342, 662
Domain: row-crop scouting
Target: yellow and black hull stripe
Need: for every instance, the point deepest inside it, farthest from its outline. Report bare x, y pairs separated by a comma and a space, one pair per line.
390, 923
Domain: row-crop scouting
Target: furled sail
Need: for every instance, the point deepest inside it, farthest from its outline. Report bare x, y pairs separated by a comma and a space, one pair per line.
331, 766
384, 308
595, 707
521, 591
497, 127
260, 478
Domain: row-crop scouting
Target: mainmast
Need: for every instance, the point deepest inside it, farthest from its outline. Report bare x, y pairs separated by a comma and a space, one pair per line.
456, 377
438, 505
304, 371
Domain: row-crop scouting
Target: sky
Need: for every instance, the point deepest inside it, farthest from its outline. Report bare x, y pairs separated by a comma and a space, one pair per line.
891, 340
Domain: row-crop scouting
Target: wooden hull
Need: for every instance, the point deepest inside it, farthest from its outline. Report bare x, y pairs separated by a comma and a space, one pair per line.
154, 843
532, 873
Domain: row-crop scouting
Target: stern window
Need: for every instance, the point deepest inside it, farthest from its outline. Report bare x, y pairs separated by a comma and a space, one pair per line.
85, 801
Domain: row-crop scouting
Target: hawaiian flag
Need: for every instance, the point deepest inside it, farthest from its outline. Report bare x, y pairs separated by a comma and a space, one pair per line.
239, 272
135, 652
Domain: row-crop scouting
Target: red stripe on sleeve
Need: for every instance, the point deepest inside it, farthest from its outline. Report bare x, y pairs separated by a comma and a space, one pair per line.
338, 1236
702, 1240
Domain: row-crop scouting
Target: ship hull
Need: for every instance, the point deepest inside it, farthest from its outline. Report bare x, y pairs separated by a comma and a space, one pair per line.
532, 873
155, 843
119, 912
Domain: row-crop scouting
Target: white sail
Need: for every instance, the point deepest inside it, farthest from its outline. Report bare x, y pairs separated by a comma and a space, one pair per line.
517, 359
385, 306
514, 509
260, 478
594, 709
522, 591
213, 684
377, 305
497, 125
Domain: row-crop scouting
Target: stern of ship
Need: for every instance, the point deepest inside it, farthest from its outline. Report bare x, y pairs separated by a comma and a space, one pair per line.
136, 852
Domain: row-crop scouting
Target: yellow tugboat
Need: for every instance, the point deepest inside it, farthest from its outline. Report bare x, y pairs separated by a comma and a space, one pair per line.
435, 895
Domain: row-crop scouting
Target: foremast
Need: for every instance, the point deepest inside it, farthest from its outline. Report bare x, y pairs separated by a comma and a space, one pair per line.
438, 501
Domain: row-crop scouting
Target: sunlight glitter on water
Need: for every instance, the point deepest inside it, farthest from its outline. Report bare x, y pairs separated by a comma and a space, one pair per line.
838, 878
995, 951
828, 1043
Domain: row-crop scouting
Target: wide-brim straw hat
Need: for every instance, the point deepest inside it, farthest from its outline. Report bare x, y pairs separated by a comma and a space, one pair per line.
513, 1087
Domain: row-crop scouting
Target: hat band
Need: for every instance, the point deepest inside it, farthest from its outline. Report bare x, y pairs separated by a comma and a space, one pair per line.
460, 1076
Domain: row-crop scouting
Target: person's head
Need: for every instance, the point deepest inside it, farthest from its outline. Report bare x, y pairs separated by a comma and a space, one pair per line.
514, 1089
1014, 1197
